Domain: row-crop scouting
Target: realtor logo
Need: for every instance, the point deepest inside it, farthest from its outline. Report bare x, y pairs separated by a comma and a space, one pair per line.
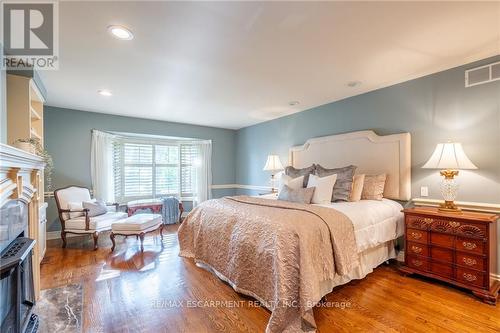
30, 35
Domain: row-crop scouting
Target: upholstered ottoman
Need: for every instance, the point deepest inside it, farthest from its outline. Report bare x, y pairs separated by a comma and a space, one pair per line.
136, 225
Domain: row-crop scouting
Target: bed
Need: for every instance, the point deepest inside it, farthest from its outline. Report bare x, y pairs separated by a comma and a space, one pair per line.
288, 255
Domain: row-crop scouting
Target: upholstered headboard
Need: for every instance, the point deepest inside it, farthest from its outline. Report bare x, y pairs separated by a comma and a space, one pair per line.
371, 153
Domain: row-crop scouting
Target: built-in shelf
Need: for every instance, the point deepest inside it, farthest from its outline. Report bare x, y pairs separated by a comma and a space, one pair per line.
35, 115
35, 134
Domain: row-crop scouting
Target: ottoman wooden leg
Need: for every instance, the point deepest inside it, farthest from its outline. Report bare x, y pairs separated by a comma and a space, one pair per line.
112, 236
161, 232
141, 236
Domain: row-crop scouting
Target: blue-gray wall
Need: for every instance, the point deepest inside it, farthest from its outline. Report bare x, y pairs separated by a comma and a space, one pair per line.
67, 138
433, 109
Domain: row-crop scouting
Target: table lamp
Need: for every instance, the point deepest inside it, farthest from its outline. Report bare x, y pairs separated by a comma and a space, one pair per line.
273, 165
449, 158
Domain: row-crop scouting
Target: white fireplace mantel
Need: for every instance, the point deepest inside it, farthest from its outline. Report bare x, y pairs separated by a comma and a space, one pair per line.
21, 175
11, 157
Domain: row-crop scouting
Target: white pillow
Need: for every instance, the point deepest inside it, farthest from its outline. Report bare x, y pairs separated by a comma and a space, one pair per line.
324, 188
75, 206
293, 183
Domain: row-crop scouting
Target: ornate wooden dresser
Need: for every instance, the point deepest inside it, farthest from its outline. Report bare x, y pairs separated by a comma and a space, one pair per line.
460, 249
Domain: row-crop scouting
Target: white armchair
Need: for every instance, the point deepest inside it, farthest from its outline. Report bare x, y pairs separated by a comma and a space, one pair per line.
75, 219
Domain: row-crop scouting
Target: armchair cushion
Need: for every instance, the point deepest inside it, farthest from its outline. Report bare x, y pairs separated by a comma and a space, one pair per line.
101, 222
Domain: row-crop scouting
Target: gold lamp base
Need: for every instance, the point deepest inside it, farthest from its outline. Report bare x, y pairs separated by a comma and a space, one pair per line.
449, 207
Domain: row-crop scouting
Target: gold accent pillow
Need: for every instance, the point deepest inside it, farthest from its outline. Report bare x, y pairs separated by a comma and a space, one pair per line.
373, 187
357, 187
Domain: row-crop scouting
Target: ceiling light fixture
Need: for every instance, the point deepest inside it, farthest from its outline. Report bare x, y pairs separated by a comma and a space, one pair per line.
353, 84
120, 32
293, 103
104, 92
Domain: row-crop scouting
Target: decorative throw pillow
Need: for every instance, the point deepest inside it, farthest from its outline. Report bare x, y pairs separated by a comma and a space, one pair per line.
357, 187
324, 188
293, 183
301, 195
294, 173
373, 188
343, 185
95, 208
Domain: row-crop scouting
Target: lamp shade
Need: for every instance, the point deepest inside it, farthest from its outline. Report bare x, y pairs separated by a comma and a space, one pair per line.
449, 156
273, 163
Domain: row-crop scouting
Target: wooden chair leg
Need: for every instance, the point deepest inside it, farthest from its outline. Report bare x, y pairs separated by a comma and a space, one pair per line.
112, 236
95, 235
141, 236
63, 237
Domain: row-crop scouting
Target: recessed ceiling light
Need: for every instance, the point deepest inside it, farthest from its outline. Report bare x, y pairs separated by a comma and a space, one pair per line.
120, 32
353, 84
104, 92
293, 103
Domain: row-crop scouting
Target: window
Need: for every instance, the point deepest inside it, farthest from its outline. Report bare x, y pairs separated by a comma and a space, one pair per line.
145, 169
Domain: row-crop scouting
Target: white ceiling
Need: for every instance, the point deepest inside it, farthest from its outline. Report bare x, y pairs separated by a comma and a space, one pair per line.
234, 64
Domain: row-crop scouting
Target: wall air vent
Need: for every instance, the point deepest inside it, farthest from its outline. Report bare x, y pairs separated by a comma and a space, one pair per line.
483, 74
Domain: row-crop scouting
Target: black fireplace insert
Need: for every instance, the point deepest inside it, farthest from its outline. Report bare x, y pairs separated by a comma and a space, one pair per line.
17, 296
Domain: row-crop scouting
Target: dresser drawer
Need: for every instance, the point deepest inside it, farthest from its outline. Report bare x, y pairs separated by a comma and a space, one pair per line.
474, 230
418, 222
470, 277
442, 269
470, 245
417, 263
470, 261
442, 239
415, 235
419, 249
442, 254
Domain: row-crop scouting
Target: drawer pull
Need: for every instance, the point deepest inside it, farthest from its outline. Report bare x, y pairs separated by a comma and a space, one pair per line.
416, 235
469, 261
469, 277
469, 245
416, 249
417, 263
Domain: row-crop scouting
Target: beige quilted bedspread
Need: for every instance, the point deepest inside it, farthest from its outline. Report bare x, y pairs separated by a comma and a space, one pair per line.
281, 253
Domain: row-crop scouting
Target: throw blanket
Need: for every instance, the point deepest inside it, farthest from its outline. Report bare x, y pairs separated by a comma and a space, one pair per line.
281, 253
170, 210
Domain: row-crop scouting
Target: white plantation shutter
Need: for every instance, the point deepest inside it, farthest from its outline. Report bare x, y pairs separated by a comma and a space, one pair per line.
189, 155
155, 168
167, 169
137, 170
117, 169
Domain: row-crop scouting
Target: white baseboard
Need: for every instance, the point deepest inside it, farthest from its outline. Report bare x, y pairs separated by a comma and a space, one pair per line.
57, 235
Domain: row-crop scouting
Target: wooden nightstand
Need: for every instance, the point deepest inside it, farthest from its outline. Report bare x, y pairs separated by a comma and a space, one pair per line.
460, 249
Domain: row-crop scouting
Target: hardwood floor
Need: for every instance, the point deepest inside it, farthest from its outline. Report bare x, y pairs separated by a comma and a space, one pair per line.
130, 291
